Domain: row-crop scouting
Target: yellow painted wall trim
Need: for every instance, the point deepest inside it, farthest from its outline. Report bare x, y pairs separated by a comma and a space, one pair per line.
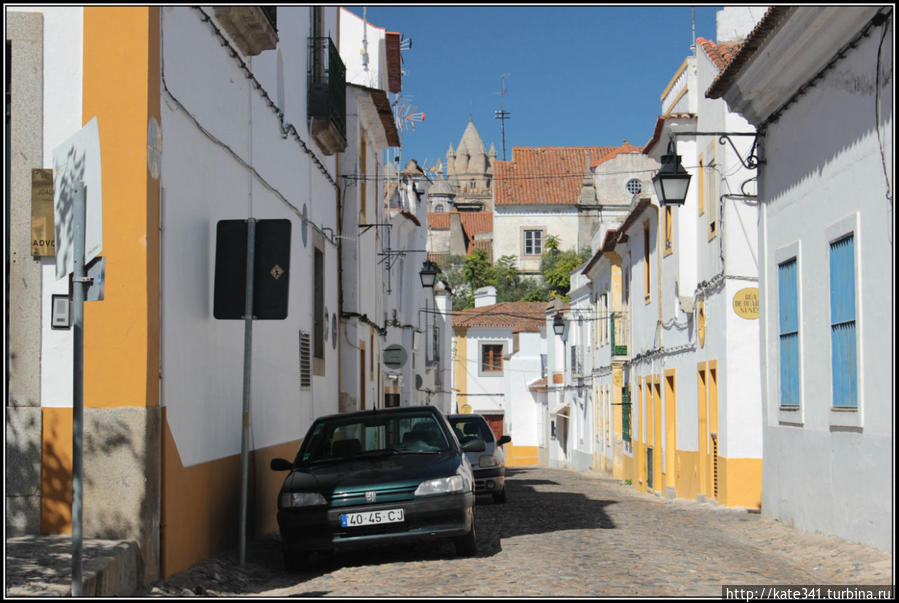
121, 88
200, 503
687, 474
677, 74
56, 470
519, 456
460, 370
674, 102
740, 482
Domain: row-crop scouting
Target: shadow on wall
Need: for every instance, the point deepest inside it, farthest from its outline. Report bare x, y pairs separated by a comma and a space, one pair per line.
848, 91
23, 470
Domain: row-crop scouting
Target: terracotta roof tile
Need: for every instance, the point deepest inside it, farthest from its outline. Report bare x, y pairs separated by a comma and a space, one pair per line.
657, 132
544, 175
476, 222
773, 18
485, 244
438, 220
720, 54
438, 258
626, 147
519, 316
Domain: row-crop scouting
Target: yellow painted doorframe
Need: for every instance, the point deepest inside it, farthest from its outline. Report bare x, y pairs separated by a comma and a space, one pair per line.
703, 426
640, 469
713, 427
670, 428
657, 433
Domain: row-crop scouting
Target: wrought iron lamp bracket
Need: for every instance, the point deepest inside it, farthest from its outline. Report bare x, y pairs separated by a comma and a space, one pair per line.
752, 160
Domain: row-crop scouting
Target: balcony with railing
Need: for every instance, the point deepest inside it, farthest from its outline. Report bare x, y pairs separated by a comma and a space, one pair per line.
327, 96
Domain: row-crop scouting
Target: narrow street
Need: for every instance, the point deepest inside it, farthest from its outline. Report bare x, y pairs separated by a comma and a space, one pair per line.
561, 533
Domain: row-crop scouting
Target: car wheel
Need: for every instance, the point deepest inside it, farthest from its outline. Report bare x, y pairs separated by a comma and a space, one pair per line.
467, 546
499, 497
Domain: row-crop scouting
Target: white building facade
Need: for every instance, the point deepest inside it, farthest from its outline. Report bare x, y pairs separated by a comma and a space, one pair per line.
817, 84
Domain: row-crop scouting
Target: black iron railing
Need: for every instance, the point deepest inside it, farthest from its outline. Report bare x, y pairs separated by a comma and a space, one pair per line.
327, 84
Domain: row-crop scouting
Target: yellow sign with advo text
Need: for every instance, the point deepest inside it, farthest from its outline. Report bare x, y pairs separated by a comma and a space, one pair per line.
746, 303
43, 233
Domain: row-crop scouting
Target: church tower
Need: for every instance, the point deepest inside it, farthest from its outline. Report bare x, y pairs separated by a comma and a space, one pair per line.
469, 170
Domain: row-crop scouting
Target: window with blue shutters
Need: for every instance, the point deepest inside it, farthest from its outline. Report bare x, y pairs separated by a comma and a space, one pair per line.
788, 311
842, 323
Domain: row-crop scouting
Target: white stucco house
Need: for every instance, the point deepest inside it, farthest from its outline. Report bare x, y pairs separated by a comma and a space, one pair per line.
203, 114
372, 64
817, 84
675, 405
498, 355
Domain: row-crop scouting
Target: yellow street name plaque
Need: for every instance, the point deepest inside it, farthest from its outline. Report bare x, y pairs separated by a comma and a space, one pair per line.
746, 303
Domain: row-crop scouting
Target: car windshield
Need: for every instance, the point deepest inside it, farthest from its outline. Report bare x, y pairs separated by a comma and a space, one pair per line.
371, 435
470, 428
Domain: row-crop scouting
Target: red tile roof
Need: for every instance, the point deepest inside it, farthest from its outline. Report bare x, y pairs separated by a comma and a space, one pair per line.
544, 175
437, 258
485, 244
476, 222
721, 54
520, 316
438, 220
762, 30
658, 129
625, 147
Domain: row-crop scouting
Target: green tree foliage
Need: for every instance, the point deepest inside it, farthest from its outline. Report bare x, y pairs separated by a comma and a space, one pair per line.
477, 270
466, 274
556, 267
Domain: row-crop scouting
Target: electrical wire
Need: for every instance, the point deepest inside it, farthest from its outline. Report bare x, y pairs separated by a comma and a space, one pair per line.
184, 110
287, 129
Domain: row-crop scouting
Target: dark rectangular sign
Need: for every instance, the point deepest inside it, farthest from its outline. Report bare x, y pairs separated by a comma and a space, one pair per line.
270, 274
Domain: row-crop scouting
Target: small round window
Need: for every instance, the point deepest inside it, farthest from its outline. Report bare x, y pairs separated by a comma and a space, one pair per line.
634, 186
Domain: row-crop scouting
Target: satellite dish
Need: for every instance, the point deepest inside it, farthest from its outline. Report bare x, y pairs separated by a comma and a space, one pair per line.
418, 381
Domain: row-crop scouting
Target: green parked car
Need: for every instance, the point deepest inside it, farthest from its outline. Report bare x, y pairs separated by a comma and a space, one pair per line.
377, 477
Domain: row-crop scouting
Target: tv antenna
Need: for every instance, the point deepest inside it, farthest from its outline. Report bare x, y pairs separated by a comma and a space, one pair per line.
407, 116
502, 114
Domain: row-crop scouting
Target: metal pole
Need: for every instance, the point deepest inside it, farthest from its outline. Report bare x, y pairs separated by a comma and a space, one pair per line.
78, 283
247, 366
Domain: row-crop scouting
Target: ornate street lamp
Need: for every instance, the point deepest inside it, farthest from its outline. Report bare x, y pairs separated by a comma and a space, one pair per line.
558, 324
428, 273
672, 180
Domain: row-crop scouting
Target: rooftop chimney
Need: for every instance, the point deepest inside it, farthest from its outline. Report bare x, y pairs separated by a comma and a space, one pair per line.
485, 296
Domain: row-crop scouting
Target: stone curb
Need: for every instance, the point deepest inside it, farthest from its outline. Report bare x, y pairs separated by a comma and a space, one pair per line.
41, 566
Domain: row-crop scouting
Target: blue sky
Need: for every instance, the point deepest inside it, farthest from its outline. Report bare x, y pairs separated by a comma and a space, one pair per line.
578, 75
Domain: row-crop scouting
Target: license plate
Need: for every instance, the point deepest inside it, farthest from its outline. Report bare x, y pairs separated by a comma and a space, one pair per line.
352, 520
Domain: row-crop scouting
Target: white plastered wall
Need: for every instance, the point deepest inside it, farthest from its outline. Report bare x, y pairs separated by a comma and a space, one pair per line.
209, 104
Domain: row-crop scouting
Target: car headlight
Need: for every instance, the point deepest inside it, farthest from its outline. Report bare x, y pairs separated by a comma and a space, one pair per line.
443, 485
302, 499
487, 460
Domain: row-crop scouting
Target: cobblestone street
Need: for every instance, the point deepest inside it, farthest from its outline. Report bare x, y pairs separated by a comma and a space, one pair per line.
562, 533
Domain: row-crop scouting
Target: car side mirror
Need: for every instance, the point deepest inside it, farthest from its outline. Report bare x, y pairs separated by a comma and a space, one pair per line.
281, 465
475, 445
503, 440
